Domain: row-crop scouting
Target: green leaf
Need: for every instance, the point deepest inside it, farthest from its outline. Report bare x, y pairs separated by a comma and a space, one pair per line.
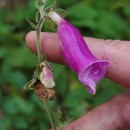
50, 4
29, 85
37, 16
31, 24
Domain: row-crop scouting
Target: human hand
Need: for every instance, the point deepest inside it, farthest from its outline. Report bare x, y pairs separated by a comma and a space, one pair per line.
115, 114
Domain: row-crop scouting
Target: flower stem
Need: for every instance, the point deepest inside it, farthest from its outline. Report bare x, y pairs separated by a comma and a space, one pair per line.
39, 44
50, 113
38, 30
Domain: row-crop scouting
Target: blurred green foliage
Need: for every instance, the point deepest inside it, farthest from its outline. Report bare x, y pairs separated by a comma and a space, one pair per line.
19, 110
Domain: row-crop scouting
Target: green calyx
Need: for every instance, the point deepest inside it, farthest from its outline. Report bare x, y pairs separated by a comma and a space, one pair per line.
43, 8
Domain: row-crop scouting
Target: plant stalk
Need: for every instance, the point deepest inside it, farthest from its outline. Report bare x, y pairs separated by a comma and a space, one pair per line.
47, 105
50, 113
39, 44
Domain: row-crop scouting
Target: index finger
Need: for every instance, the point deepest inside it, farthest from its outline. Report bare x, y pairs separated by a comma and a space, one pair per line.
116, 51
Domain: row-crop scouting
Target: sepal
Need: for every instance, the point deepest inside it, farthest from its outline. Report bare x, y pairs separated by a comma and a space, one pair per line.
61, 12
52, 25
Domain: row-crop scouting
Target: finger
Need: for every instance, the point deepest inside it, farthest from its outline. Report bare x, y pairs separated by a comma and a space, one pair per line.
113, 115
49, 44
117, 52
51, 47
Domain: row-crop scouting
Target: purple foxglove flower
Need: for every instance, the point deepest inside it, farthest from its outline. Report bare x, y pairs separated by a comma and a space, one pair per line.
77, 54
46, 77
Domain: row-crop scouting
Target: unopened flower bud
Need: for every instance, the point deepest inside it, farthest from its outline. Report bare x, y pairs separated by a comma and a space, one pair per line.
46, 77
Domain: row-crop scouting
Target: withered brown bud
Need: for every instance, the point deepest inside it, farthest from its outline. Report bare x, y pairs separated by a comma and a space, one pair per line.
44, 93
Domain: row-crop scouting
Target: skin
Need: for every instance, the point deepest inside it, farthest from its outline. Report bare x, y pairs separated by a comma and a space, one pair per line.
114, 114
